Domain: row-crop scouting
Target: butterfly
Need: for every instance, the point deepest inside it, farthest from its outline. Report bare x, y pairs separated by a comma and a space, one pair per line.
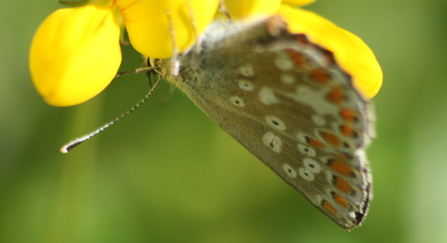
288, 102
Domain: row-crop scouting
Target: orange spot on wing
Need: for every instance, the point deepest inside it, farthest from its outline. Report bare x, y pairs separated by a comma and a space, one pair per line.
336, 96
346, 130
320, 76
341, 156
341, 184
315, 143
348, 115
328, 207
341, 168
297, 57
340, 200
331, 139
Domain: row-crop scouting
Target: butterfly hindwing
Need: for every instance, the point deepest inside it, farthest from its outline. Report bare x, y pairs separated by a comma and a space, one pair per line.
289, 103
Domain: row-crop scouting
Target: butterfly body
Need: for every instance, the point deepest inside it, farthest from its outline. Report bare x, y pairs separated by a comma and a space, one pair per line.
289, 103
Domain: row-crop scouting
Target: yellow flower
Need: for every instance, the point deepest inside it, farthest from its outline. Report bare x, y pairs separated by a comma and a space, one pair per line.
71, 56
75, 52
149, 31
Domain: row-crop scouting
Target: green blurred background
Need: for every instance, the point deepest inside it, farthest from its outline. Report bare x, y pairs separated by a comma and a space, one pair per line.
166, 173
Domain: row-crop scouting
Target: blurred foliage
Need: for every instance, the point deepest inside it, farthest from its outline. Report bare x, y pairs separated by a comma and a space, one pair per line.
166, 173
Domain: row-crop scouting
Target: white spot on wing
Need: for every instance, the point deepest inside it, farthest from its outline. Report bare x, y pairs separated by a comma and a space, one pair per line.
237, 101
272, 141
301, 137
247, 70
305, 174
245, 85
318, 120
312, 165
314, 99
275, 122
283, 64
307, 150
267, 96
289, 170
287, 79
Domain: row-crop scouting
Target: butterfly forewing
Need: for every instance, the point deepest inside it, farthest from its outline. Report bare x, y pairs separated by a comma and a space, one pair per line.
288, 102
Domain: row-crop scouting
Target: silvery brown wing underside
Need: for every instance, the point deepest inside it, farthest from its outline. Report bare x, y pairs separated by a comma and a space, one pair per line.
287, 101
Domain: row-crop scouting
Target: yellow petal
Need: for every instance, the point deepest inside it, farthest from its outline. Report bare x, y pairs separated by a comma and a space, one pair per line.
75, 54
298, 2
350, 52
146, 22
244, 8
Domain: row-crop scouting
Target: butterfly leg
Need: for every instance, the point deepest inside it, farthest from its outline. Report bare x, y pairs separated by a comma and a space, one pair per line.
175, 52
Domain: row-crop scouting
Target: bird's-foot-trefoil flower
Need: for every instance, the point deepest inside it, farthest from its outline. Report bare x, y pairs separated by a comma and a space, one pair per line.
75, 52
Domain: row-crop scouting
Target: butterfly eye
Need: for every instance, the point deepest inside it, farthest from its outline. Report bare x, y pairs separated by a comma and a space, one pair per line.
152, 62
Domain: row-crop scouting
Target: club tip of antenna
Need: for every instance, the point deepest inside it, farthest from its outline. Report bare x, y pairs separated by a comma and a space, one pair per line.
69, 146
64, 149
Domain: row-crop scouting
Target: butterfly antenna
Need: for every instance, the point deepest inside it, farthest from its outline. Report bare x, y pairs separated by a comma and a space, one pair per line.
138, 70
69, 146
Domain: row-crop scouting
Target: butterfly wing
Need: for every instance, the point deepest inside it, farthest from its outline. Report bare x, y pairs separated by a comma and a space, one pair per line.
289, 103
